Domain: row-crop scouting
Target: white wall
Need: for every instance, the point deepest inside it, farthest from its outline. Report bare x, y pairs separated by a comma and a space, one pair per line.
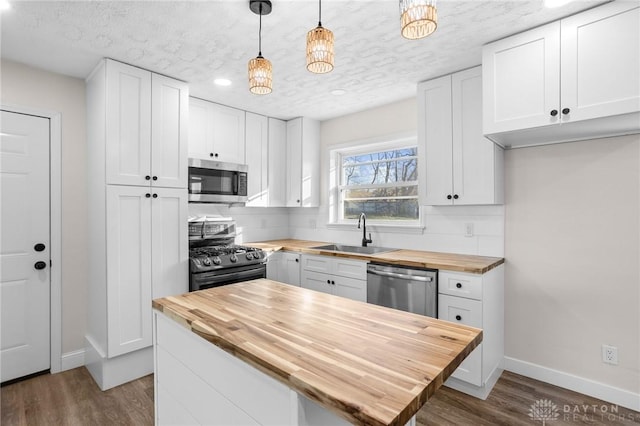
24, 86
445, 226
573, 258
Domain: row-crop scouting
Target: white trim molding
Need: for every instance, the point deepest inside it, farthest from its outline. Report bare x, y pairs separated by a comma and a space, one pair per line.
71, 360
55, 192
589, 387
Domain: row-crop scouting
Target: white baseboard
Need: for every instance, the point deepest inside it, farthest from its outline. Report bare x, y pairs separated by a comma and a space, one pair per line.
72, 360
621, 397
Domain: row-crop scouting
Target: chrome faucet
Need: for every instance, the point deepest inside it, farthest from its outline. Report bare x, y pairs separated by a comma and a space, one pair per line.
365, 241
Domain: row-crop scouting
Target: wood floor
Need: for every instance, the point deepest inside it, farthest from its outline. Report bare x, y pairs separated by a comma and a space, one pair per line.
72, 398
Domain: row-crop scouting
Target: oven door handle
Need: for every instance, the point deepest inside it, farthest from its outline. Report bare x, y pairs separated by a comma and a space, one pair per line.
401, 276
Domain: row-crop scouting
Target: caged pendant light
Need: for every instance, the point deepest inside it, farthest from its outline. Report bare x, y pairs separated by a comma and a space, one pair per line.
320, 47
260, 70
418, 18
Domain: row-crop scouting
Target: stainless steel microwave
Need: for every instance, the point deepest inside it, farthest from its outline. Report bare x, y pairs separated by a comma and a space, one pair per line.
217, 182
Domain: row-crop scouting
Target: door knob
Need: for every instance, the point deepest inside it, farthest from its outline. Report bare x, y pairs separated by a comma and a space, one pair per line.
39, 247
40, 265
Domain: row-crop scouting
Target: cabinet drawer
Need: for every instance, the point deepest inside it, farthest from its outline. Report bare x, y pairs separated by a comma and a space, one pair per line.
460, 310
316, 281
460, 284
316, 263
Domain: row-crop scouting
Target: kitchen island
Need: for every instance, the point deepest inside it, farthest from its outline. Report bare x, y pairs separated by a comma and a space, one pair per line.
262, 352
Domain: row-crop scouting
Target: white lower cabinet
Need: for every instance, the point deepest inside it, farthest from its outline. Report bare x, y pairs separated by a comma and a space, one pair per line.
334, 275
477, 301
284, 266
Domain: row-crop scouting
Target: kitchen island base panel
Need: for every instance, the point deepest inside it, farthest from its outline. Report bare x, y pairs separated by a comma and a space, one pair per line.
481, 392
111, 372
198, 383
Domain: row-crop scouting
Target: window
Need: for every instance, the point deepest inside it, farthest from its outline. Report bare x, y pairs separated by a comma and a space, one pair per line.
381, 182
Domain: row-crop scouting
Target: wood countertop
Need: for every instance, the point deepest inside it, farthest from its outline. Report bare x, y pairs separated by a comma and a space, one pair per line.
422, 259
368, 364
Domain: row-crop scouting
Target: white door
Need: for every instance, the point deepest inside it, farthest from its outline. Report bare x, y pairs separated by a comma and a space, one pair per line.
434, 98
257, 157
473, 154
169, 116
128, 268
228, 134
277, 177
169, 242
521, 80
128, 131
24, 281
294, 163
600, 62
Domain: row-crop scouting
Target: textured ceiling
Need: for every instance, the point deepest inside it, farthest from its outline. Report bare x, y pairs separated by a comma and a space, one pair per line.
197, 41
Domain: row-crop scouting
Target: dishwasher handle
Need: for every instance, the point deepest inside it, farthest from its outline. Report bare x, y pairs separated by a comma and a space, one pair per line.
402, 276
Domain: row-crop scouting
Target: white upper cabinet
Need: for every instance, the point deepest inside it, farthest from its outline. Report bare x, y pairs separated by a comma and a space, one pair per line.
169, 121
303, 163
257, 146
459, 165
216, 132
583, 69
128, 130
277, 173
146, 116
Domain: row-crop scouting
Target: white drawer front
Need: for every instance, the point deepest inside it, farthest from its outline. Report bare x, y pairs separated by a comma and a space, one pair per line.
460, 284
316, 263
460, 310
350, 268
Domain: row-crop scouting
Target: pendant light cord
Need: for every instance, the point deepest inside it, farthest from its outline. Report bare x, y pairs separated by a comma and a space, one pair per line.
319, 13
260, 34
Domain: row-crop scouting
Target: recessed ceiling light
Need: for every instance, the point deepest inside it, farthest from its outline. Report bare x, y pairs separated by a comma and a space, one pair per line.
556, 3
338, 92
222, 82
5, 5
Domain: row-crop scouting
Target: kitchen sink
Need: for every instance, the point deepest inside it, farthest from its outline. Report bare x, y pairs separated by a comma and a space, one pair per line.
353, 249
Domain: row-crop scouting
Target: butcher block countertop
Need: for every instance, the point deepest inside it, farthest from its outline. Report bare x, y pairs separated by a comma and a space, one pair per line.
368, 364
417, 258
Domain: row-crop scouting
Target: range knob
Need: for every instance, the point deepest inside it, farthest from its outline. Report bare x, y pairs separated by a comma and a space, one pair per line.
206, 261
249, 256
217, 260
233, 258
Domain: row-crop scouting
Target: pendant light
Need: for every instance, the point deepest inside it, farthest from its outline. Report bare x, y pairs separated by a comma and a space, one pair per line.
320, 47
418, 18
260, 70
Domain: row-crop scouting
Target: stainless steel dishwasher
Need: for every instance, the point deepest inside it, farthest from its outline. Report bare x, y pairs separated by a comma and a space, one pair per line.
404, 288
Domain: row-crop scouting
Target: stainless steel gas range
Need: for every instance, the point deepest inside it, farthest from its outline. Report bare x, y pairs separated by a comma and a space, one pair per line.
214, 258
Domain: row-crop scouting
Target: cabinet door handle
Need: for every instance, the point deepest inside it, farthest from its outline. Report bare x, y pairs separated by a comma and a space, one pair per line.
455, 196
155, 195
333, 282
40, 265
147, 177
297, 261
449, 197
328, 281
458, 285
155, 178
147, 195
554, 112
211, 154
39, 247
458, 317
566, 111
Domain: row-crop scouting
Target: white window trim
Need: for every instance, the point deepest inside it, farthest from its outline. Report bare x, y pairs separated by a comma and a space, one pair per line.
360, 146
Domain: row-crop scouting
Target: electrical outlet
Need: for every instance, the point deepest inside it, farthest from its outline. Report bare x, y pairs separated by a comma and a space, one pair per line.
468, 229
609, 354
